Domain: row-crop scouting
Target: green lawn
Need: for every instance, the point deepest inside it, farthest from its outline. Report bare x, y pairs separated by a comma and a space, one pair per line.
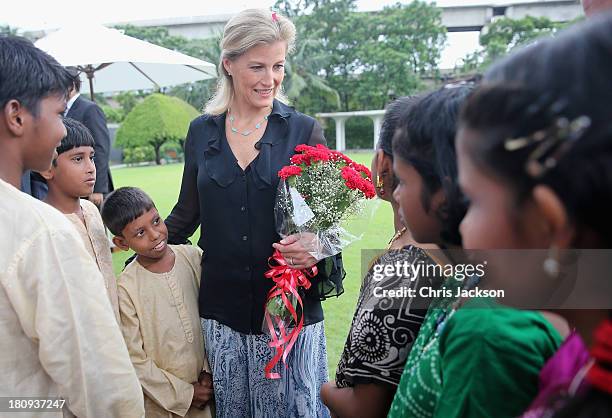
163, 183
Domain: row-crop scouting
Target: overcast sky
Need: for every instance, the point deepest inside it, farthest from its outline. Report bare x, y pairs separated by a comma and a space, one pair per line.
38, 14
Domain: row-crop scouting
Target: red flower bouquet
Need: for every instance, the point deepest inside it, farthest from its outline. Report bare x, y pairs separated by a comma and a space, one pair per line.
317, 193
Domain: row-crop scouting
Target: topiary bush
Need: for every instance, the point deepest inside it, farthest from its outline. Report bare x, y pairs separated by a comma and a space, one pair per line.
154, 121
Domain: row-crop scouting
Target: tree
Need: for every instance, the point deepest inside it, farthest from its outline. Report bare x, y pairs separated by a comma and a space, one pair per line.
503, 35
364, 55
316, 52
112, 114
303, 83
156, 120
127, 100
401, 45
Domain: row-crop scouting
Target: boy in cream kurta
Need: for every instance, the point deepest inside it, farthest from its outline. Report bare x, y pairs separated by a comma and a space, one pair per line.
59, 338
158, 303
96, 242
72, 175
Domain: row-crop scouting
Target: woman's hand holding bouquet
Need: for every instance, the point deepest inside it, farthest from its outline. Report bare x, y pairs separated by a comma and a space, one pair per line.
317, 193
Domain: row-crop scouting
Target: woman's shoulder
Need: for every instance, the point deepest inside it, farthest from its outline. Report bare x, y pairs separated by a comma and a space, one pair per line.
388, 266
482, 321
286, 111
408, 253
202, 120
202, 129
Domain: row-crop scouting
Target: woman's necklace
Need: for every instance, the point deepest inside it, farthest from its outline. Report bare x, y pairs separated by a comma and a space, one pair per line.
397, 235
247, 132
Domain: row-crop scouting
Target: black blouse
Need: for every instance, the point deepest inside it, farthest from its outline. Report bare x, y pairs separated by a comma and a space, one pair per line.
235, 210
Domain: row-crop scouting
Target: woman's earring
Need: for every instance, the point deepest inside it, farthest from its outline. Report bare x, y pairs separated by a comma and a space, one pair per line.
551, 264
379, 185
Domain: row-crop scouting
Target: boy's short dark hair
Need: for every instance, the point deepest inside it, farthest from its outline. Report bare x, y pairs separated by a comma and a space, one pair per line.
77, 135
76, 80
28, 74
123, 206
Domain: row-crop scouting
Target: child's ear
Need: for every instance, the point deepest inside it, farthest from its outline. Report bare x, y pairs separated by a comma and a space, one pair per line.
384, 164
121, 243
379, 159
48, 174
437, 203
555, 217
14, 114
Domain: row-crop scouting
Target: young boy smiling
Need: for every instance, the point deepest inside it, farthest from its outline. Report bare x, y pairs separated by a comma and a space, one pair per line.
158, 302
72, 176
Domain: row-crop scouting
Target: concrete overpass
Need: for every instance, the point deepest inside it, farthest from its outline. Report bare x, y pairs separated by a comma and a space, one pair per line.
473, 18
455, 18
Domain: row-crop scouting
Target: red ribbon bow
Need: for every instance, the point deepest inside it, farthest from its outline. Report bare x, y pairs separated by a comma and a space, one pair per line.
286, 280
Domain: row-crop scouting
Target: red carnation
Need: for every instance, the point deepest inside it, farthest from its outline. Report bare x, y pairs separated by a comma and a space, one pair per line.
362, 169
310, 154
368, 189
299, 159
351, 178
303, 148
289, 170
338, 156
354, 181
318, 155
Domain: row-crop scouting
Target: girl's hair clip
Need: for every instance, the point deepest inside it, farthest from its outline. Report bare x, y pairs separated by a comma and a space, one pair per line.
551, 143
274, 17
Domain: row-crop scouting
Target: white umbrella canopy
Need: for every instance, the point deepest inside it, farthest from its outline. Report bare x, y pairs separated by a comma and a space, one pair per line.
116, 62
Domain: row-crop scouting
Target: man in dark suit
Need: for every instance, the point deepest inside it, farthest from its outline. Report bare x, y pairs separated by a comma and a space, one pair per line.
92, 116
33, 184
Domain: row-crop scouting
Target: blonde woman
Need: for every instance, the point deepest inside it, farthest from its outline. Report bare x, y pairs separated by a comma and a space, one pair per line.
233, 152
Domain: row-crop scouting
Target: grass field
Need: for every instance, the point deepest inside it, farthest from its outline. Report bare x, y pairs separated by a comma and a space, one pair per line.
163, 183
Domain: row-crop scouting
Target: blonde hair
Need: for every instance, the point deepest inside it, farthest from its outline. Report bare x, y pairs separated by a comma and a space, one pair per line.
247, 29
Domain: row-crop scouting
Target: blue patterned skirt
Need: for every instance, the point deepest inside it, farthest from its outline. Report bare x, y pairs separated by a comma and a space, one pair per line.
241, 389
